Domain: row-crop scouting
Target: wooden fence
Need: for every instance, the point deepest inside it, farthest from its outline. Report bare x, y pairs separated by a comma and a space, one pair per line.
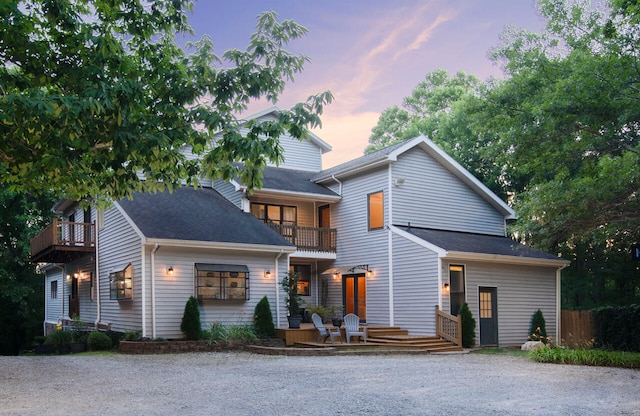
577, 328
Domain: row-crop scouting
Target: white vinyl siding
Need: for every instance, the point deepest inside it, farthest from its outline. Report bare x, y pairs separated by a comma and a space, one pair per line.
432, 197
172, 292
229, 191
415, 286
357, 245
53, 307
521, 290
119, 245
83, 268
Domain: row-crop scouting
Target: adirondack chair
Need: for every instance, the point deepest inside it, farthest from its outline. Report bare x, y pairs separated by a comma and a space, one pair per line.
324, 331
352, 327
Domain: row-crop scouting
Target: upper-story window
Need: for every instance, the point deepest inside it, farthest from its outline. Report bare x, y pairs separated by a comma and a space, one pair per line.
376, 210
278, 214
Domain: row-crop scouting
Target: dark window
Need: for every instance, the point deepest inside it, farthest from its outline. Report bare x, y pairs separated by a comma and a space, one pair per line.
121, 283
222, 282
279, 214
304, 278
376, 210
54, 289
456, 279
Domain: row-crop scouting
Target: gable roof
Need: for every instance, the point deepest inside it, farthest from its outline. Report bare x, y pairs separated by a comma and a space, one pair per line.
197, 214
324, 146
390, 154
468, 245
291, 181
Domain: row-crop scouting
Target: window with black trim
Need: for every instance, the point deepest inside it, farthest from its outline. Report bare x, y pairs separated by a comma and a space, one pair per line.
375, 205
54, 289
121, 283
222, 281
277, 214
456, 294
304, 278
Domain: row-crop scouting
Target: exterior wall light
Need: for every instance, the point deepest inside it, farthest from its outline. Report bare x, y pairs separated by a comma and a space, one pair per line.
369, 273
446, 287
267, 274
170, 271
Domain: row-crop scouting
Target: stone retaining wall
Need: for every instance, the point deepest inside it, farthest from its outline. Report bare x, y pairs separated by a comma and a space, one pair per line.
172, 347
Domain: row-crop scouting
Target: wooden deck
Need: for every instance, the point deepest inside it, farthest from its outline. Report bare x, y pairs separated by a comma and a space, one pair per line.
378, 337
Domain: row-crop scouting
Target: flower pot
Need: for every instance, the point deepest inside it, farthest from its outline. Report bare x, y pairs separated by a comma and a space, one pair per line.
294, 322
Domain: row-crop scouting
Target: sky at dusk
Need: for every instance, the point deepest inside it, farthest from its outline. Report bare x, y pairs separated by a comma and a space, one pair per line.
370, 53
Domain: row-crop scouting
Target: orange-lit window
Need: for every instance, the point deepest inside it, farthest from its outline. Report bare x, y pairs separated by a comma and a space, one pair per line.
376, 210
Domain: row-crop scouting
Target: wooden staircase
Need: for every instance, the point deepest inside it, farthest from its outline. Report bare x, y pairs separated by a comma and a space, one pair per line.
398, 338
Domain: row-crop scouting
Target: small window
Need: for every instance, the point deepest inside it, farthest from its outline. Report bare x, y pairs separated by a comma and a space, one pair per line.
54, 289
304, 278
376, 210
121, 283
222, 282
92, 286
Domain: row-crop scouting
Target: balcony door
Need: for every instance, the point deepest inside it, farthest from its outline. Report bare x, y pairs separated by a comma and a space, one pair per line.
74, 299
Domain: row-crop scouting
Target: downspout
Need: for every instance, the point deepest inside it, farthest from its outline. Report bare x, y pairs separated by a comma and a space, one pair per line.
97, 280
390, 248
277, 286
153, 289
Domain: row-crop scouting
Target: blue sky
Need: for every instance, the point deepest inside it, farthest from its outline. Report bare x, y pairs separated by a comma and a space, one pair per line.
370, 54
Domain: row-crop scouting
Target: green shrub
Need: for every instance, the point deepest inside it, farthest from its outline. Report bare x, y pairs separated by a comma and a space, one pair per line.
132, 335
263, 319
617, 327
560, 355
58, 338
223, 332
190, 325
538, 329
468, 326
99, 341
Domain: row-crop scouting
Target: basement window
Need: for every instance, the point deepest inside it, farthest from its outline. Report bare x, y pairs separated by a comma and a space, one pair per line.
222, 282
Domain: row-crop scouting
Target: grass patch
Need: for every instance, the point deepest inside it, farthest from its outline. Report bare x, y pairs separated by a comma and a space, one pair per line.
602, 358
502, 351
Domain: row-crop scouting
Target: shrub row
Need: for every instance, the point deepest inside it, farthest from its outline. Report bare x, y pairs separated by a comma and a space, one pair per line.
617, 327
602, 358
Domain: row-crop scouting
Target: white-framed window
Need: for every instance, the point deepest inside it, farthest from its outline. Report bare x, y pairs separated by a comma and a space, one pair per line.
375, 207
54, 289
456, 287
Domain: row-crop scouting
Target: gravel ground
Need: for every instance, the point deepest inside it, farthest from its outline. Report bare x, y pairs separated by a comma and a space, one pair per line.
248, 384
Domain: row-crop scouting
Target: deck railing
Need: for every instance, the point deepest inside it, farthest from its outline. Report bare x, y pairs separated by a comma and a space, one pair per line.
64, 233
448, 326
308, 238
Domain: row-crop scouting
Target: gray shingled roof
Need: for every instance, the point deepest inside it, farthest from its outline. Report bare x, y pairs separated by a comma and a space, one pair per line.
477, 243
294, 181
197, 215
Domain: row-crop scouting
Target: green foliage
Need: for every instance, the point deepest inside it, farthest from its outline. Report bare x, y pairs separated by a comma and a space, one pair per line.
289, 284
190, 325
225, 332
538, 328
132, 335
263, 319
468, 326
103, 87
58, 338
559, 355
325, 312
21, 288
99, 341
617, 328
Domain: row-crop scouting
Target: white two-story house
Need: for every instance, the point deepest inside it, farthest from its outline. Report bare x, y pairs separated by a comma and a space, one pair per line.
388, 236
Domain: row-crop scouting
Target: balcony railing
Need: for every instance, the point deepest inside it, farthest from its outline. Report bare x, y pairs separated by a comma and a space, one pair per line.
62, 241
308, 238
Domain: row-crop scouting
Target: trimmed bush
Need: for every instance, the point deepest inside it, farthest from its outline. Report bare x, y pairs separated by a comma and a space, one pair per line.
617, 327
99, 341
263, 319
190, 325
468, 326
58, 338
538, 329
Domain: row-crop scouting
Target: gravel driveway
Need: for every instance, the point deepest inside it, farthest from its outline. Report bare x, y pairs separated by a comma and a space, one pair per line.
248, 384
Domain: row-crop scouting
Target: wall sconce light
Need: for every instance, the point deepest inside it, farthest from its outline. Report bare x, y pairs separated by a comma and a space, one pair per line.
68, 277
398, 181
446, 287
267, 274
336, 275
170, 271
369, 273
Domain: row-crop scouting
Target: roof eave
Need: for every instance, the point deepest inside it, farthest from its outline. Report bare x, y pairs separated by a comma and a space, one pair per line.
504, 259
297, 195
217, 245
382, 161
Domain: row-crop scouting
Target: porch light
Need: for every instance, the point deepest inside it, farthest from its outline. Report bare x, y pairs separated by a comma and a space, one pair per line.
336, 275
446, 287
267, 274
369, 273
68, 277
170, 271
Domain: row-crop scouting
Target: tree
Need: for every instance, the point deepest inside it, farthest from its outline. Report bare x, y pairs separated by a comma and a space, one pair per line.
94, 93
190, 325
468, 326
538, 328
21, 288
263, 319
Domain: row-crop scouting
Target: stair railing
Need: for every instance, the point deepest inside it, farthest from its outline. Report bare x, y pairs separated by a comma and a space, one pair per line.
448, 326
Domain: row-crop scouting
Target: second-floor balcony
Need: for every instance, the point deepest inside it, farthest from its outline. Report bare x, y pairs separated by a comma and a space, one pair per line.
63, 241
312, 239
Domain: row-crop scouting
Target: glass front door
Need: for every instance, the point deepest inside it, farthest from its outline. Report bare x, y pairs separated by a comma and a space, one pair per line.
355, 295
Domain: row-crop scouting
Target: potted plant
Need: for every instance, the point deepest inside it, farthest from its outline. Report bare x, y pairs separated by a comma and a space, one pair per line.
78, 336
290, 285
337, 315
